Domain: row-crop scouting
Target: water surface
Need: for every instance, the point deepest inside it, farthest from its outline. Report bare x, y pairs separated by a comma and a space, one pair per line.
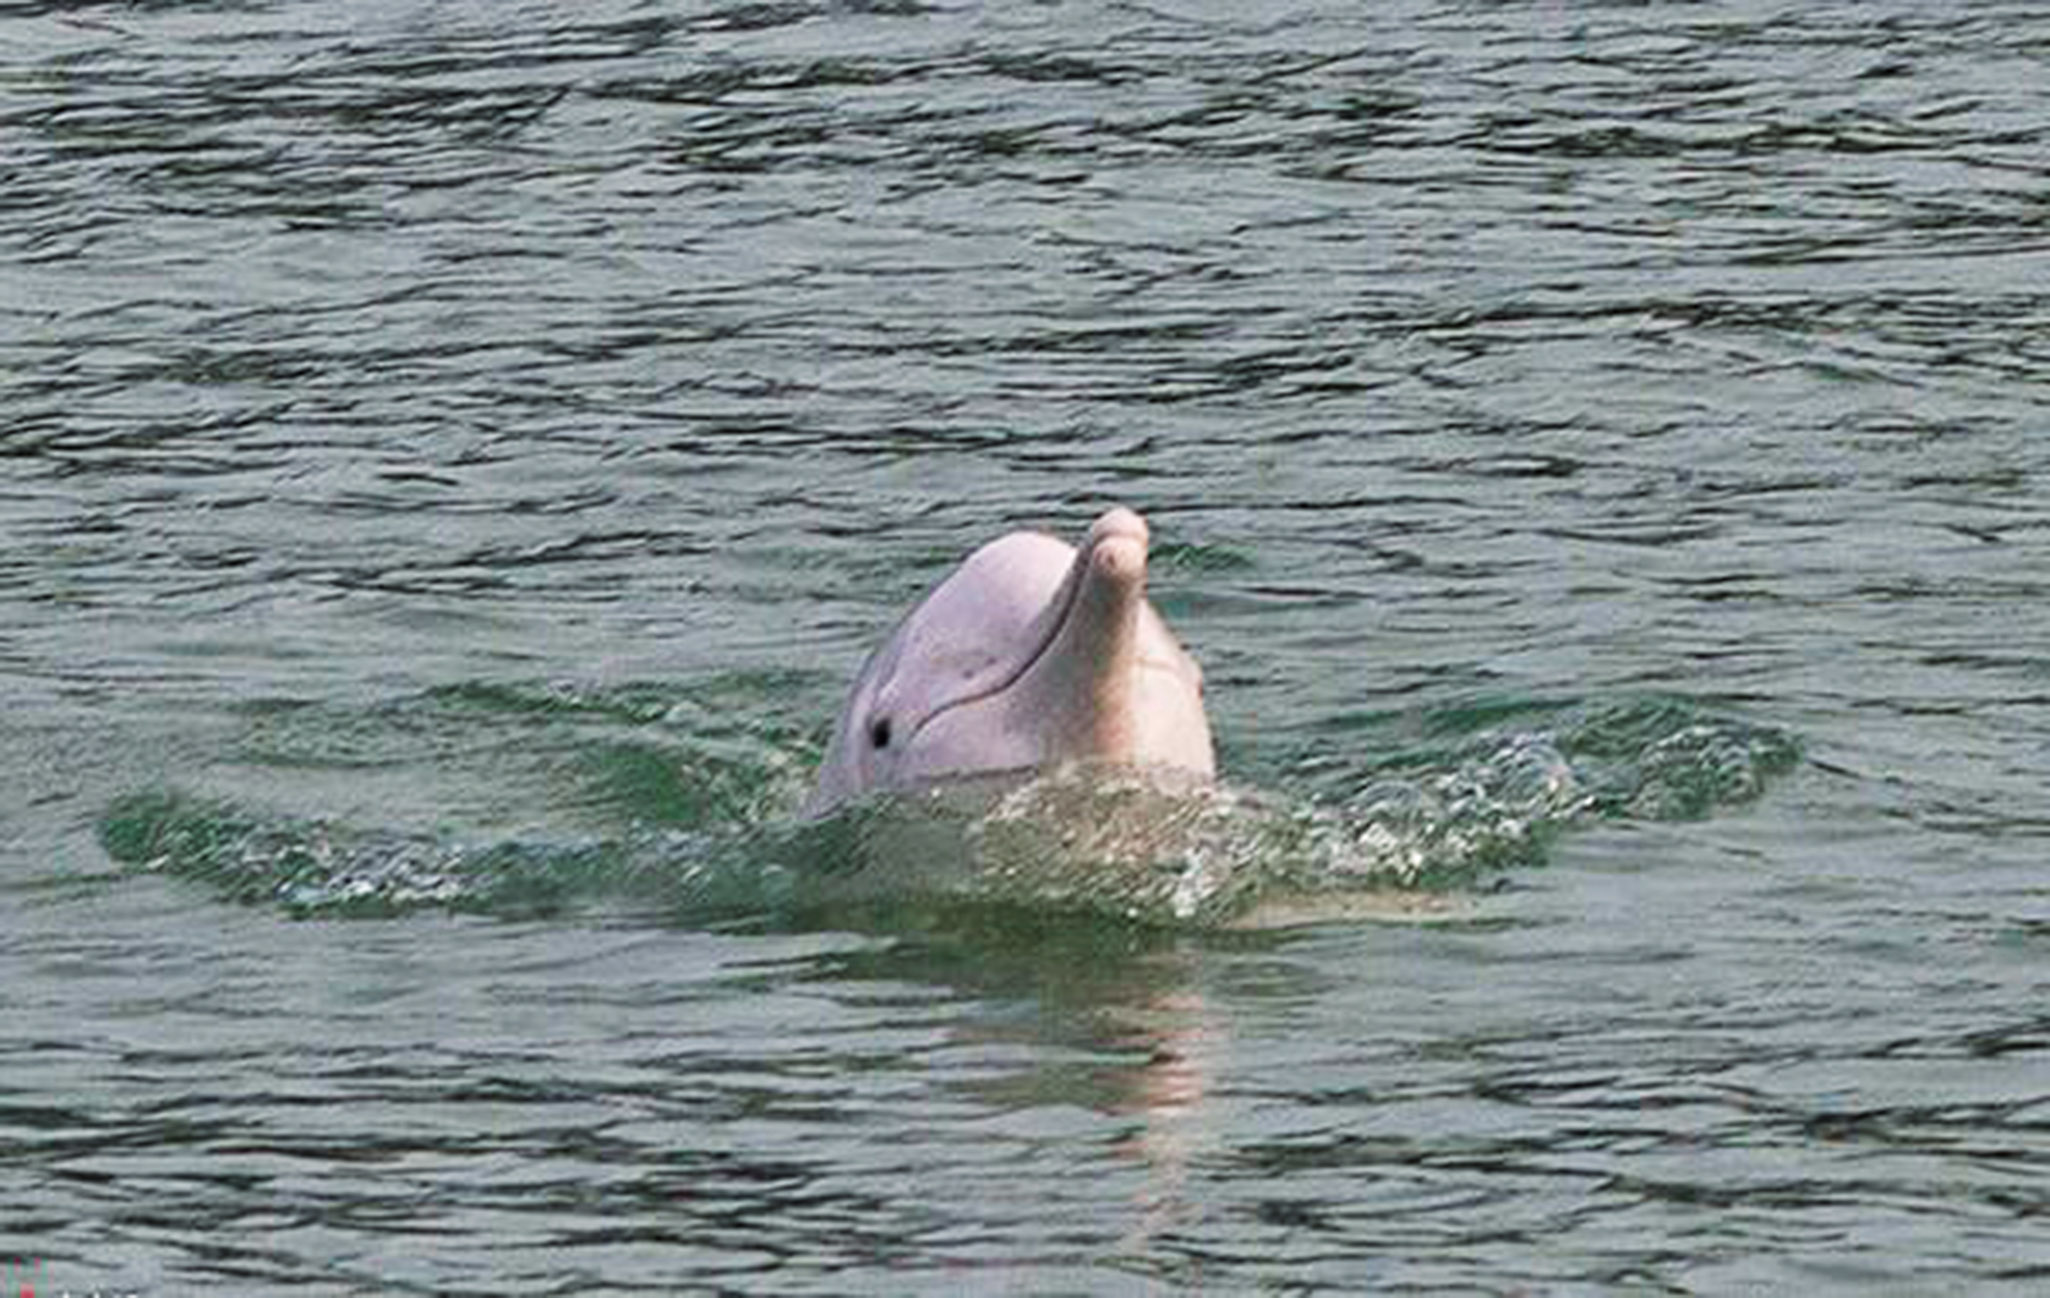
454, 456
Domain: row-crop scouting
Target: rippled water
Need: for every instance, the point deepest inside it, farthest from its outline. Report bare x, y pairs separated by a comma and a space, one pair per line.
455, 455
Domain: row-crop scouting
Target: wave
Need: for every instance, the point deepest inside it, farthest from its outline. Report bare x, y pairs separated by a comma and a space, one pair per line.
684, 803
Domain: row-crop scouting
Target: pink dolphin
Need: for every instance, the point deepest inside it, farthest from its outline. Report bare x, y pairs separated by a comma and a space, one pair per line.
1029, 655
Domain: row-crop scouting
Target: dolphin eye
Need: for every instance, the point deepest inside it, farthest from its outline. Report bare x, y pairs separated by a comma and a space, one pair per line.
879, 733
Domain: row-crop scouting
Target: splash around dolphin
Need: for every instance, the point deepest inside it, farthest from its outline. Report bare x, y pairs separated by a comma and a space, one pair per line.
1030, 656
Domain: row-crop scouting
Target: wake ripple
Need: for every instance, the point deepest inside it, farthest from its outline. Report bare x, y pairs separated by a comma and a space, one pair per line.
1456, 817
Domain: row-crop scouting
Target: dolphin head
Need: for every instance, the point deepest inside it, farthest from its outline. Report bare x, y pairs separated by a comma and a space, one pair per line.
1029, 655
